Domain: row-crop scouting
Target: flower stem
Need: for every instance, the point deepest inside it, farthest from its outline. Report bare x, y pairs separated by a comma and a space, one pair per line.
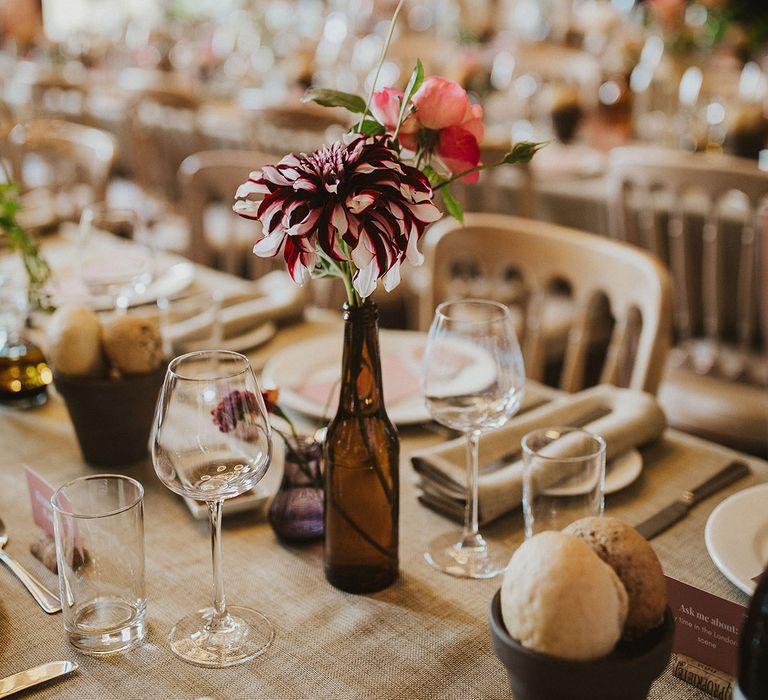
384, 50
522, 153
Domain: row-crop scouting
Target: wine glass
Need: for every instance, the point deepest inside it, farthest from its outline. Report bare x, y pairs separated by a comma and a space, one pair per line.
473, 381
211, 440
106, 270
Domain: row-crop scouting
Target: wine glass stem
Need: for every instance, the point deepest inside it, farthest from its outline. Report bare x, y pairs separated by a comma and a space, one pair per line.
220, 619
471, 537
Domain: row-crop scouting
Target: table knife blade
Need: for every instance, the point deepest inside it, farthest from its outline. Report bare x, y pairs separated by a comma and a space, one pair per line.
677, 510
33, 676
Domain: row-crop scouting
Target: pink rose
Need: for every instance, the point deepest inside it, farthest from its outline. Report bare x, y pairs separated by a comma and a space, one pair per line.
442, 106
385, 106
460, 151
473, 122
440, 103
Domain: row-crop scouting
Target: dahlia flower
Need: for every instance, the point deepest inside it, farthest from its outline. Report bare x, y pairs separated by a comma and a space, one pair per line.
352, 209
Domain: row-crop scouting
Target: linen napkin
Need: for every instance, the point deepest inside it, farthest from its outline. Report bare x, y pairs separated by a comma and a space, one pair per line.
624, 418
274, 298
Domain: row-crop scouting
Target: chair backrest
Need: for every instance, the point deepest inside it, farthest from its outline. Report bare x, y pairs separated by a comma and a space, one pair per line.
214, 176
683, 208
163, 130
535, 257
88, 154
54, 97
295, 127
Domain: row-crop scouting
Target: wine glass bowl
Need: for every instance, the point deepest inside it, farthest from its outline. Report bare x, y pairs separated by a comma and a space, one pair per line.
473, 381
213, 395
212, 441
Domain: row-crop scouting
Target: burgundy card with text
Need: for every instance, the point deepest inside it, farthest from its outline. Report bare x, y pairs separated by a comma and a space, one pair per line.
707, 627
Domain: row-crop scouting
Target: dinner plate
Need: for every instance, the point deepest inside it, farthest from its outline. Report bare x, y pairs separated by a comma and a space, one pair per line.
622, 470
168, 281
307, 375
238, 343
736, 536
253, 499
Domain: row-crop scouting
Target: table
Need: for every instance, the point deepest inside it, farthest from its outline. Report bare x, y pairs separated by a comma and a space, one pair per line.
424, 637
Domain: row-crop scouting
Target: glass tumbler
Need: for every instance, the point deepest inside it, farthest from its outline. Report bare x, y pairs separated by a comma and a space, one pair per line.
563, 477
99, 526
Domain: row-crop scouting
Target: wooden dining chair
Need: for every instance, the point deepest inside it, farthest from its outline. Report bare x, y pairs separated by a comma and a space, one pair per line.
526, 263
297, 128
162, 131
217, 236
55, 97
702, 216
67, 154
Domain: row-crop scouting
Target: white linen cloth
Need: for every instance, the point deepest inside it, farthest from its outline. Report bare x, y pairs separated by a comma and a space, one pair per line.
624, 418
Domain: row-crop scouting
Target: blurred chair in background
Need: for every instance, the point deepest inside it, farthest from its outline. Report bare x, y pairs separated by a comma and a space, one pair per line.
217, 236
532, 266
700, 215
61, 166
55, 97
162, 132
296, 127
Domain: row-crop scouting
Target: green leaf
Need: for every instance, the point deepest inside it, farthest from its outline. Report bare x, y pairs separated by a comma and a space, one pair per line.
414, 83
452, 206
370, 127
335, 98
523, 152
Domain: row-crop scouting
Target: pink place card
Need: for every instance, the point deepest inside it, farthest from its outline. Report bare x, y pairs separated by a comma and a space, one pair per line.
40, 492
707, 627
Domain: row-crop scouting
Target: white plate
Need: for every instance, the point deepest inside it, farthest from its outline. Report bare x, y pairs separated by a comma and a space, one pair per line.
620, 472
736, 536
250, 500
314, 366
623, 470
238, 343
167, 282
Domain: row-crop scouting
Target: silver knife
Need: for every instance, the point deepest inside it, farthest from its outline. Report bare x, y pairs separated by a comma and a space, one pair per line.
33, 676
670, 514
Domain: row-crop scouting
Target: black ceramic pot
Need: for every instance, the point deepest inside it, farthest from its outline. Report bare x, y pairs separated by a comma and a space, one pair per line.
626, 674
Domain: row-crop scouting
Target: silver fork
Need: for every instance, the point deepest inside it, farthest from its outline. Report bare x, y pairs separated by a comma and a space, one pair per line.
47, 600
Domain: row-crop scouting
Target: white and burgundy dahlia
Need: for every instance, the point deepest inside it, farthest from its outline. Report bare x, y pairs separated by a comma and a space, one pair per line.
356, 200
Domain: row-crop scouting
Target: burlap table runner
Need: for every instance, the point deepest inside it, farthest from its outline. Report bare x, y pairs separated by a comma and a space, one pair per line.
425, 637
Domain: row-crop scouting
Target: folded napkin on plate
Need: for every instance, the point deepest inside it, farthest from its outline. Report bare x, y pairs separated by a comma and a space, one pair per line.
274, 298
630, 418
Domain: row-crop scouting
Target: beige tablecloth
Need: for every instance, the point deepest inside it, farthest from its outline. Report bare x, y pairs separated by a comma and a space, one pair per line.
425, 637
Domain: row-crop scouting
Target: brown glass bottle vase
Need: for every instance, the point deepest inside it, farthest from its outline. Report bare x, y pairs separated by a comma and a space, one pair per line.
362, 459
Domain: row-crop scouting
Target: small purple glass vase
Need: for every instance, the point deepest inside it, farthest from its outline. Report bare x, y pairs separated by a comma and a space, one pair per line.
296, 511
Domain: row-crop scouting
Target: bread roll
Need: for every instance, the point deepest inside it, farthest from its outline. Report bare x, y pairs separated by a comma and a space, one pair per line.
133, 344
74, 342
636, 564
559, 598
